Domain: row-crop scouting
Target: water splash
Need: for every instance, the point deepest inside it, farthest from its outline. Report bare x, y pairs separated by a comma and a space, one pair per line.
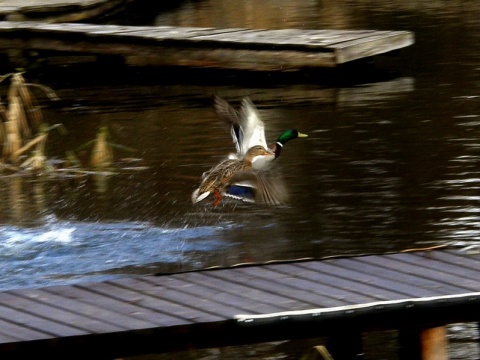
66, 251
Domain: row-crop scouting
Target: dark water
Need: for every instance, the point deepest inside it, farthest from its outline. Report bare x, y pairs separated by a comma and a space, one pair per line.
391, 161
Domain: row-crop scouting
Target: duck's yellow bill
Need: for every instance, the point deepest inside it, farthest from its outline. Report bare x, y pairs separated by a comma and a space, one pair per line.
302, 135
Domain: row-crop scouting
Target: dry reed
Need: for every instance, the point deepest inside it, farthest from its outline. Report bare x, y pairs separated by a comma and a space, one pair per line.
24, 134
102, 153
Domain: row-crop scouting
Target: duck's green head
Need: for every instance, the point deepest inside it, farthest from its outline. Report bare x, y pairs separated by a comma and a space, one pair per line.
289, 135
284, 138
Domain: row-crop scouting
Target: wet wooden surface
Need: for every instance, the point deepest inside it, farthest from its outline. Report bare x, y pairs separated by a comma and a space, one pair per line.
244, 49
217, 307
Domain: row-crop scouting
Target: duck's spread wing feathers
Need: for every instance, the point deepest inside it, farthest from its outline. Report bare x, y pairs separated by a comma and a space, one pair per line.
257, 187
252, 128
246, 127
230, 116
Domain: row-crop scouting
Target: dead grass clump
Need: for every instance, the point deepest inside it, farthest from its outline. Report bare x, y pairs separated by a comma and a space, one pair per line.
24, 134
19, 120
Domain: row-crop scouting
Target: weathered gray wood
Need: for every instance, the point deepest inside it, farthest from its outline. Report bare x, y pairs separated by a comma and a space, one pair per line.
374, 44
138, 318
56, 11
66, 317
298, 277
12, 331
244, 49
428, 287
138, 315
430, 270
223, 300
47, 326
77, 306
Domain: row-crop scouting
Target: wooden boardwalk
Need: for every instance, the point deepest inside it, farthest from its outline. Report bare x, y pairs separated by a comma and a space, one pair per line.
244, 304
242, 49
56, 10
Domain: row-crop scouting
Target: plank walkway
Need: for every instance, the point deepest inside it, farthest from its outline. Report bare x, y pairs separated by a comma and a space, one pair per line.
242, 49
56, 10
243, 304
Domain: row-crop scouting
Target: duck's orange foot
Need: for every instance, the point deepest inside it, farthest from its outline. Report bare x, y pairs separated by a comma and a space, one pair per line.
218, 198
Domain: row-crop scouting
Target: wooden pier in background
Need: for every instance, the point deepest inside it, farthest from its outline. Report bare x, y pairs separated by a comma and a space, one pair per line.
416, 293
239, 49
57, 10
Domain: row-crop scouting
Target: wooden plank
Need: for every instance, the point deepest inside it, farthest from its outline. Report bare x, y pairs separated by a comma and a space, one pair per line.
116, 319
52, 6
57, 11
371, 45
441, 266
428, 287
39, 324
388, 262
145, 306
343, 279
85, 323
286, 285
237, 59
285, 38
200, 311
225, 303
145, 55
310, 281
406, 289
163, 33
371, 278
456, 258
163, 313
326, 40
242, 49
139, 319
11, 331
434, 344
259, 280
240, 292
233, 282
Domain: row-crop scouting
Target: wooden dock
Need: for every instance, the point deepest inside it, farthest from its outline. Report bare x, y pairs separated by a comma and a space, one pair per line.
409, 292
240, 49
56, 10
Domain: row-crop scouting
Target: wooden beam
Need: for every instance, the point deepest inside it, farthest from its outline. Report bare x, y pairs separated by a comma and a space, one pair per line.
434, 344
423, 344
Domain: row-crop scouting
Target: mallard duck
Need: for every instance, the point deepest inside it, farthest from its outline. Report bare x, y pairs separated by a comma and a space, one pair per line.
239, 176
247, 130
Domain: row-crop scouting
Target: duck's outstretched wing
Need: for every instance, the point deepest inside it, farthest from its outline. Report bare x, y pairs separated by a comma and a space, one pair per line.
257, 187
231, 117
252, 128
246, 127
